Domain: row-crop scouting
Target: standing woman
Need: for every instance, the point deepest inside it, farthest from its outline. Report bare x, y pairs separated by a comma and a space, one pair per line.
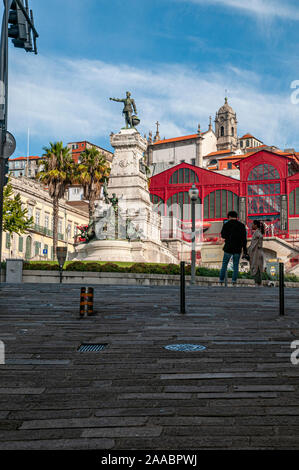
256, 253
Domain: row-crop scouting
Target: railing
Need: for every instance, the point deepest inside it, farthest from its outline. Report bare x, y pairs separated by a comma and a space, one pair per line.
43, 230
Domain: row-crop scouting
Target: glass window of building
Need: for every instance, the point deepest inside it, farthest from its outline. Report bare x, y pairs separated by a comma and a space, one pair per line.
37, 217
21, 243
47, 220
263, 197
294, 202
183, 176
179, 206
218, 203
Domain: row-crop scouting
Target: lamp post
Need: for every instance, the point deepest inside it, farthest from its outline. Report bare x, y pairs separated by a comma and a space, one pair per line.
193, 194
17, 24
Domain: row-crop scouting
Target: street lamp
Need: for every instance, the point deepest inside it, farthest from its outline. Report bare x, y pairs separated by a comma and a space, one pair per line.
193, 194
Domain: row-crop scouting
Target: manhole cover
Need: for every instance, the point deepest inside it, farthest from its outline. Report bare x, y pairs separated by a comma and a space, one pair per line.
92, 347
185, 347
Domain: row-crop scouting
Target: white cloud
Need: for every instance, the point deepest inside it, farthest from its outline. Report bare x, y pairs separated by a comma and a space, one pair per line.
69, 100
265, 8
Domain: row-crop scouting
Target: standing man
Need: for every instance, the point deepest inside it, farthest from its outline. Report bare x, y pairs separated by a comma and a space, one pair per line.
129, 106
234, 234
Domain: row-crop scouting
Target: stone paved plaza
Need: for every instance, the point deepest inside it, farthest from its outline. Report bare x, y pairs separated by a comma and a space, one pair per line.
241, 392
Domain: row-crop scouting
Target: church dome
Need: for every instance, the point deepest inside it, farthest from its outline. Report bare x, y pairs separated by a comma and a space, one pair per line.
226, 108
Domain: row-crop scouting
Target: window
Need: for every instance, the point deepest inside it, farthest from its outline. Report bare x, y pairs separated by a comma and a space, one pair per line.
263, 172
59, 225
233, 131
193, 161
241, 144
222, 131
37, 247
183, 176
294, 202
7, 241
21, 243
30, 211
247, 143
47, 220
263, 198
37, 217
218, 203
229, 166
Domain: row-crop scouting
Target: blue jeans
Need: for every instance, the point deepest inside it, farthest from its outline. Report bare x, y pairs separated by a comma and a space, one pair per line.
226, 258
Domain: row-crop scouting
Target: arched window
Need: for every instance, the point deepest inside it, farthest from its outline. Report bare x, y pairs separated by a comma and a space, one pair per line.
233, 131
213, 162
222, 131
179, 206
294, 202
28, 247
263, 172
157, 203
218, 203
183, 176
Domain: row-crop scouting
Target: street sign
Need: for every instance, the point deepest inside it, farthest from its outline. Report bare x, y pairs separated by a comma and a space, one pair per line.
45, 251
10, 146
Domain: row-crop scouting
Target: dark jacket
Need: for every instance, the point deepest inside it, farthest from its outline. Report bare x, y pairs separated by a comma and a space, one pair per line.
234, 233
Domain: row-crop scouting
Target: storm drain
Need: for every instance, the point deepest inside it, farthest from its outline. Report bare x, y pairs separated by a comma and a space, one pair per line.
185, 347
92, 347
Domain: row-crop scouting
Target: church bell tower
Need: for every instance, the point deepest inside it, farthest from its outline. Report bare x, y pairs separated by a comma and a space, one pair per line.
226, 128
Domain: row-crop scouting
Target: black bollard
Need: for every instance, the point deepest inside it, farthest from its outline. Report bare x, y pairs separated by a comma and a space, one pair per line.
86, 301
182, 287
281, 289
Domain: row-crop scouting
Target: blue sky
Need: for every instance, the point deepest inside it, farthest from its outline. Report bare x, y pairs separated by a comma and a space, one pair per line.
177, 57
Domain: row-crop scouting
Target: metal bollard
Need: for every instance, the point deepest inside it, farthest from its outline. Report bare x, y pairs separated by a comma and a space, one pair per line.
281, 289
86, 302
182, 287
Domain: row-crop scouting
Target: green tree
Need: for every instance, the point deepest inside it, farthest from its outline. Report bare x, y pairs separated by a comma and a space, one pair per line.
56, 172
15, 218
92, 172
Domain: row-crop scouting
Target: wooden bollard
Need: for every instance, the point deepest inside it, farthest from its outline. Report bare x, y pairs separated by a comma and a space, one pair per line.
86, 301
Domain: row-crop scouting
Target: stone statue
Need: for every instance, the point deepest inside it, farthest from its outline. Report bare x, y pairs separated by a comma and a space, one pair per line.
129, 105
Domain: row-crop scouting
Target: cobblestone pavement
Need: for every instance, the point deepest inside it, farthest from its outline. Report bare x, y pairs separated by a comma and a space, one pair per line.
241, 392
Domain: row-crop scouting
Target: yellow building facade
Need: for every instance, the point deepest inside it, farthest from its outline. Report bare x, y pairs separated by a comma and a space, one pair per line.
37, 243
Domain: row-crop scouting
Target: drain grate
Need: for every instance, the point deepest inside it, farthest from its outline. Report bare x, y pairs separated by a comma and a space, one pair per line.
92, 347
185, 347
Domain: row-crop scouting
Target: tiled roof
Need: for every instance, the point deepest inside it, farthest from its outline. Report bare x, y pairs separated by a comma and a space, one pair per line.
177, 139
220, 152
248, 136
24, 158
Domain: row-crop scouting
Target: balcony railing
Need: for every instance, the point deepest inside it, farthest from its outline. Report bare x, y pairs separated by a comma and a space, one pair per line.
45, 231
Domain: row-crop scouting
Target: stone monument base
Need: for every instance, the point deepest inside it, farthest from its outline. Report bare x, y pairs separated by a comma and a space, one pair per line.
134, 251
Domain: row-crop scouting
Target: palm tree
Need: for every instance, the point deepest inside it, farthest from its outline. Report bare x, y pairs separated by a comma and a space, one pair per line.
56, 172
93, 171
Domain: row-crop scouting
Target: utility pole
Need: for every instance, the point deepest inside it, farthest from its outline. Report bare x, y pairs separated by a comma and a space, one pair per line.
17, 24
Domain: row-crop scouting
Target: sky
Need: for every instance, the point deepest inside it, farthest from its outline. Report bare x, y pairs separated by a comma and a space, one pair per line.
178, 58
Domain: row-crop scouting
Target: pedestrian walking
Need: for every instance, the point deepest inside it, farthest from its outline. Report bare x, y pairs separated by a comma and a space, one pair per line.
234, 234
256, 253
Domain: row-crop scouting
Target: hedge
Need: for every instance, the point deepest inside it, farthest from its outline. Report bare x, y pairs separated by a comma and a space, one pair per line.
142, 268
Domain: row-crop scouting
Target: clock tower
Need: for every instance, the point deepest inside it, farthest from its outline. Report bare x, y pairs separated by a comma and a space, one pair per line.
226, 128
